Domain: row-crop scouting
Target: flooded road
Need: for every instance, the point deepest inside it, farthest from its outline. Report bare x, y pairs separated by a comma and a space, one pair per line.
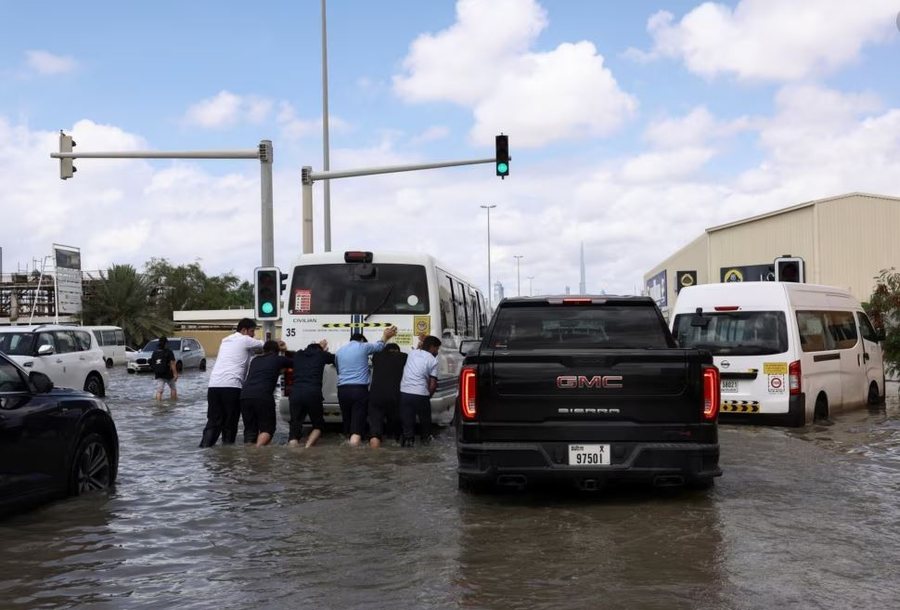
807, 518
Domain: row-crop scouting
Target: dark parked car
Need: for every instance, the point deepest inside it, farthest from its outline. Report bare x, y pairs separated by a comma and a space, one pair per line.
53, 441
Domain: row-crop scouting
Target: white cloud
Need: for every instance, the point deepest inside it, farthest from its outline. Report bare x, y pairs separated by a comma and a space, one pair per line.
48, 64
295, 128
483, 62
227, 109
433, 133
696, 128
770, 39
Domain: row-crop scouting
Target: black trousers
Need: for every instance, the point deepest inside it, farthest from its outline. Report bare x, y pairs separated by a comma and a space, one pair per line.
259, 416
354, 403
412, 407
305, 403
223, 412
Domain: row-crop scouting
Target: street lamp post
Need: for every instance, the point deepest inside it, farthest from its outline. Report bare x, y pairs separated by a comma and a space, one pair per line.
490, 288
518, 258
530, 286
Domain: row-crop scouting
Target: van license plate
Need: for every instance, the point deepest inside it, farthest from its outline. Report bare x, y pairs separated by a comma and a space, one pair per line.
729, 386
588, 455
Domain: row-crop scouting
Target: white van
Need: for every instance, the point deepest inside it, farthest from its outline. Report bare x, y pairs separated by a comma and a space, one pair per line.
111, 340
787, 353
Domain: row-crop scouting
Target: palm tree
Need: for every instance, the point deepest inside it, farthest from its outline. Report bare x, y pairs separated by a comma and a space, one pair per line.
122, 298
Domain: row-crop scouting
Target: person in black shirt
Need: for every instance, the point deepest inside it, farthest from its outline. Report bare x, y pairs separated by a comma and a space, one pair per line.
162, 361
384, 393
306, 392
257, 400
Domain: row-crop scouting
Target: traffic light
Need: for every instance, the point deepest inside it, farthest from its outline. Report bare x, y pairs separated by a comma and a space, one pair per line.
267, 293
502, 155
790, 269
66, 166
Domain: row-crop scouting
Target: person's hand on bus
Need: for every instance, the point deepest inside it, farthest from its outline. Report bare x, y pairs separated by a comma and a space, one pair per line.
282, 346
389, 332
324, 344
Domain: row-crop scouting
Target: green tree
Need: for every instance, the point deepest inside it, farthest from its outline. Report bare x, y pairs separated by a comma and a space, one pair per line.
186, 287
884, 310
122, 298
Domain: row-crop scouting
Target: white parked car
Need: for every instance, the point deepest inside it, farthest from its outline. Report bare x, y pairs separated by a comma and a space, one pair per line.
68, 355
189, 354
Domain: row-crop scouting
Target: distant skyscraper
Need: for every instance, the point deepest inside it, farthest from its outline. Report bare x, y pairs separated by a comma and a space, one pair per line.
582, 289
498, 291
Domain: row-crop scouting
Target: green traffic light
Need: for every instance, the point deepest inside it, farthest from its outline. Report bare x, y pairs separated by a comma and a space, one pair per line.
267, 308
502, 168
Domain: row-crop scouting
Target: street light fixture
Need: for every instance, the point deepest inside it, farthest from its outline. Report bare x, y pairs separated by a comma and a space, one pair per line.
490, 288
518, 258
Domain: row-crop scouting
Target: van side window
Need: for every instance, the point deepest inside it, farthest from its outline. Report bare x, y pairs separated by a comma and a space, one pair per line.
99, 335
813, 335
120, 337
842, 328
865, 327
445, 294
109, 337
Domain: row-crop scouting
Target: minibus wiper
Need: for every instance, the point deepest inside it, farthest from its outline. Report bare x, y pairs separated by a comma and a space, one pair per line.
380, 305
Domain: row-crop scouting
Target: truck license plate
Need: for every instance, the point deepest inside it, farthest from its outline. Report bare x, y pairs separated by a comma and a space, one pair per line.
588, 455
729, 386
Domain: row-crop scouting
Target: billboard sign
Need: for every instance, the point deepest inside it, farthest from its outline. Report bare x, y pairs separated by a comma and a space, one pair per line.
69, 288
656, 288
747, 273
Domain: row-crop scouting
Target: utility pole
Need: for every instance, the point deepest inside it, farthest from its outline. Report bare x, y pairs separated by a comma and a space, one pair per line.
263, 153
326, 163
518, 258
490, 288
530, 286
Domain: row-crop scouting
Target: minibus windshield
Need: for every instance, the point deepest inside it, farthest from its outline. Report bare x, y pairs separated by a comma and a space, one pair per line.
359, 288
734, 333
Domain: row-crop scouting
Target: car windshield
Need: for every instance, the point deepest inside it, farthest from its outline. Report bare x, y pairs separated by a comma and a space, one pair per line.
173, 344
17, 344
734, 333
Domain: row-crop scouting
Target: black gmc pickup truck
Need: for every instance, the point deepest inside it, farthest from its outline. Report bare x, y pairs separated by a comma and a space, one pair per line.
585, 389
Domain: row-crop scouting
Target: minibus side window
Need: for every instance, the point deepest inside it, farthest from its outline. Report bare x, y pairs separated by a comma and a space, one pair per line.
866, 329
812, 325
842, 329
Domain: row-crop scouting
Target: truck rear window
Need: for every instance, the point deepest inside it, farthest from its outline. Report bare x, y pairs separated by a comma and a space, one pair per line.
734, 333
578, 327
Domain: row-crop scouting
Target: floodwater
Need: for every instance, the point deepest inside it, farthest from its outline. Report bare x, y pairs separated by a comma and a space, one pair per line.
801, 519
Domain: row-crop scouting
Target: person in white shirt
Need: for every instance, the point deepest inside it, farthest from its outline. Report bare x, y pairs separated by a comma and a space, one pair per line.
223, 396
416, 387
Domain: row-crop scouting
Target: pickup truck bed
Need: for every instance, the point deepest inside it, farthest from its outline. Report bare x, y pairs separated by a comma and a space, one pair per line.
588, 390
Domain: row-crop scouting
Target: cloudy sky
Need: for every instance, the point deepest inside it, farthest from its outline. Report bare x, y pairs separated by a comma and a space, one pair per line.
632, 126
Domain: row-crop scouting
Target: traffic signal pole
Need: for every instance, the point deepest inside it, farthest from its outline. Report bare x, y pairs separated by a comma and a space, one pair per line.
308, 177
263, 152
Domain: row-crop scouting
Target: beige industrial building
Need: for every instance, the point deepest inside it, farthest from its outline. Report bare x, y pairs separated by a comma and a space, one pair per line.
844, 241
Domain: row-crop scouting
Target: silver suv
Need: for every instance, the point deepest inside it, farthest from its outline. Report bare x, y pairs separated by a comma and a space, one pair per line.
189, 354
68, 355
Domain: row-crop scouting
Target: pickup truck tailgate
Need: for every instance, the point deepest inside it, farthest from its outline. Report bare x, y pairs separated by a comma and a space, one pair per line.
659, 385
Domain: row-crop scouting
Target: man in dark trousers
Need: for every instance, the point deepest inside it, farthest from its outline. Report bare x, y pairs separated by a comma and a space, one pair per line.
384, 394
418, 384
257, 395
162, 361
306, 392
223, 396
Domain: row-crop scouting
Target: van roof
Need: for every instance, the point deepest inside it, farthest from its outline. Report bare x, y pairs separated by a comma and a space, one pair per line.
763, 295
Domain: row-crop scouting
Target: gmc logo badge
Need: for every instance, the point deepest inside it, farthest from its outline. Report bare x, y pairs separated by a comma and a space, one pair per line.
570, 382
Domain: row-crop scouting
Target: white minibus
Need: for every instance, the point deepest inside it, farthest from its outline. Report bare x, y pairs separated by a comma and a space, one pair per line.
111, 340
333, 295
787, 353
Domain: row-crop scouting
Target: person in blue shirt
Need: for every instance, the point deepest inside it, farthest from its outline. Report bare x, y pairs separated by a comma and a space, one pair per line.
352, 362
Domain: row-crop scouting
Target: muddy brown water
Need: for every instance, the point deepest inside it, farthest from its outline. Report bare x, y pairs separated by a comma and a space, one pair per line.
804, 518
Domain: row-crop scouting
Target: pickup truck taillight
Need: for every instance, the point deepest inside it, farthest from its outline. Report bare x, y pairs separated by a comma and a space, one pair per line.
468, 384
794, 377
711, 391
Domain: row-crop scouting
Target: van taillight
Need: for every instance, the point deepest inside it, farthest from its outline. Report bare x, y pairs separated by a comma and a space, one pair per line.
468, 384
710, 392
794, 377
288, 382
